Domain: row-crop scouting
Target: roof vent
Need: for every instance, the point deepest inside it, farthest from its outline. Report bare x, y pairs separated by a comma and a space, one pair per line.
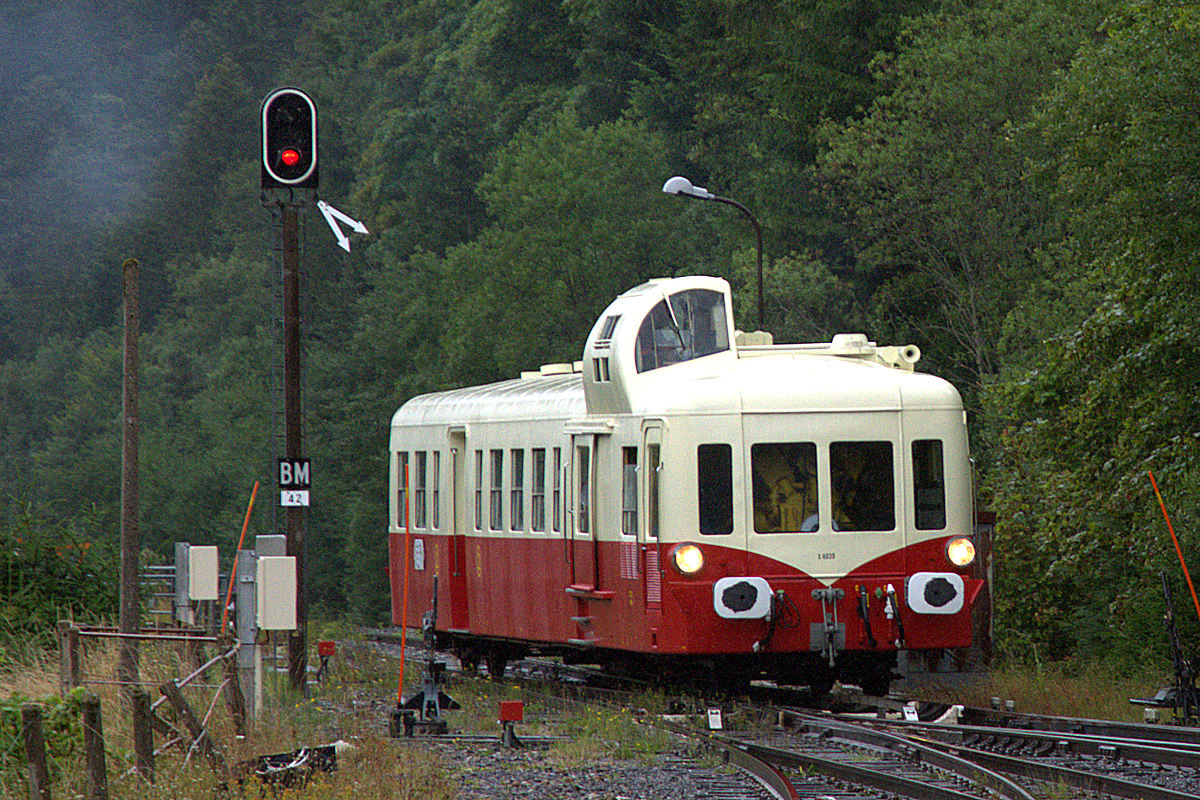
850, 343
753, 339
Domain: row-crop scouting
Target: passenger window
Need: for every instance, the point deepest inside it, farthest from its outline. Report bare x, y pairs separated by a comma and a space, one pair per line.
684, 326
478, 490
714, 470
861, 476
557, 483
785, 487
437, 482
629, 509
418, 481
537, 496
401, 489
516, 502
929, 484
496, 506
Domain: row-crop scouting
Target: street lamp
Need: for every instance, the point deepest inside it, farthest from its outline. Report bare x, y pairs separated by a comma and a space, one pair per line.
682, 187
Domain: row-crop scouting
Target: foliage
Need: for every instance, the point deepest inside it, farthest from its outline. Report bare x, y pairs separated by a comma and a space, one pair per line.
931, 177
1111, 395
50, 571
578, 219
62, 729
1006, 183
764, 76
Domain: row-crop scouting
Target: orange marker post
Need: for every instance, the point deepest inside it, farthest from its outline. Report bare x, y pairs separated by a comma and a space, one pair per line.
233, 569
1175, 539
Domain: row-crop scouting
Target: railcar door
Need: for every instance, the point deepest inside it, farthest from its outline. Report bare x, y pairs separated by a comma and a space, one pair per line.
651, 476
459, 617
582, 519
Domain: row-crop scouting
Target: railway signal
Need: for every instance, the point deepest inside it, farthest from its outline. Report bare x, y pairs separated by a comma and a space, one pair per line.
289, 183
289, 140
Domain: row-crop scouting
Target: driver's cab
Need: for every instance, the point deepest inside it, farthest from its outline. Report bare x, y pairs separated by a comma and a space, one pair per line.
648, 332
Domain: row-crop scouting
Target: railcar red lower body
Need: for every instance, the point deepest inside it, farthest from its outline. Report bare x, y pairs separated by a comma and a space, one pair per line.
525, 594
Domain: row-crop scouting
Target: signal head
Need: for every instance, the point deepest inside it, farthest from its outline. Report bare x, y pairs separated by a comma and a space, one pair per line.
289, 140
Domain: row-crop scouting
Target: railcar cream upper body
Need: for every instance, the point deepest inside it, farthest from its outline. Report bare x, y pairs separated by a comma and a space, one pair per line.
667, 351
760, 383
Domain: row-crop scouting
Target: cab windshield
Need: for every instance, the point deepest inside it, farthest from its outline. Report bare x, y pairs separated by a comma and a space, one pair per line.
681, 327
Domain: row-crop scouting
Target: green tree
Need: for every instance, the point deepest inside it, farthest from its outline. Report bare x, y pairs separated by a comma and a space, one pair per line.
1112, 392
931, 178
764, 76
579, 218
208, 404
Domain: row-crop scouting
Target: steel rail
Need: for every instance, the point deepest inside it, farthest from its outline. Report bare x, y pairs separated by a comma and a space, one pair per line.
771, 779
1086, 727
761, 769
853, 773
743, 753
1088, 781
937, 757
1185, 754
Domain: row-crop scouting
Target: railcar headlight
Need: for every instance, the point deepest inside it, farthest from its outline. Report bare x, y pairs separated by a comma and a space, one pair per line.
961, 552
687, 558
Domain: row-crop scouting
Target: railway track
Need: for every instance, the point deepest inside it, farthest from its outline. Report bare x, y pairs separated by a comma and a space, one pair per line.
1114, 759
802, 753
1081, 763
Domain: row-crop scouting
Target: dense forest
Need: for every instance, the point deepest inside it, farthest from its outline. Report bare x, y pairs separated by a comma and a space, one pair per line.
1012, 185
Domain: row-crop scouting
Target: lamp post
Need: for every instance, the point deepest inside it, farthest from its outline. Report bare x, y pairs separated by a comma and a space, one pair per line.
682, 187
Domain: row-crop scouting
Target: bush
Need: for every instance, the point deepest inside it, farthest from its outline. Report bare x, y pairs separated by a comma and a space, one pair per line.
49, 571
61, 727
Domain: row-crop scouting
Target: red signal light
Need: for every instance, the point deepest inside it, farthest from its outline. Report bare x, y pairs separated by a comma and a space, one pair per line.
289, 157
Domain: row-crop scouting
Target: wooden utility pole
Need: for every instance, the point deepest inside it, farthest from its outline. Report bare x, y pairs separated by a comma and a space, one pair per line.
127, 664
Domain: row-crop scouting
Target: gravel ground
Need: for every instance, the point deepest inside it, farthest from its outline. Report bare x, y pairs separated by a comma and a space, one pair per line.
490, 772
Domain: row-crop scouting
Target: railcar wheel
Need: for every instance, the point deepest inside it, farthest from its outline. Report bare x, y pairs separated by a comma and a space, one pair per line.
820, 681
871, 672
496, 664
469, 662
876, 683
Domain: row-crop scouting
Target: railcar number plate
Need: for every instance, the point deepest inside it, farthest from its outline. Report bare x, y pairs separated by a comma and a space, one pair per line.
826, 556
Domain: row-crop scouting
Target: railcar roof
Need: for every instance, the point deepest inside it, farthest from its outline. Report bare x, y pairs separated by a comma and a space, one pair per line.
790, 381
781, 382
542, 397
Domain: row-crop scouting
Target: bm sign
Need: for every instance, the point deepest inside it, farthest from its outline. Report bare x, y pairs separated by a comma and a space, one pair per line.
295, 479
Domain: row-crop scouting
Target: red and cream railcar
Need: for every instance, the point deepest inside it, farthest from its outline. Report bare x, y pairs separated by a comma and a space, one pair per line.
690, 498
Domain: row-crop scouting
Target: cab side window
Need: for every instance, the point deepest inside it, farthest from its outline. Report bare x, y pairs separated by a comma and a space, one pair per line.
929, 485
714, 473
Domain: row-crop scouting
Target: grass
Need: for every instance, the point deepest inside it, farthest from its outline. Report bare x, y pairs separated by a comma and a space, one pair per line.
1097, 692
342, 708
347, 707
